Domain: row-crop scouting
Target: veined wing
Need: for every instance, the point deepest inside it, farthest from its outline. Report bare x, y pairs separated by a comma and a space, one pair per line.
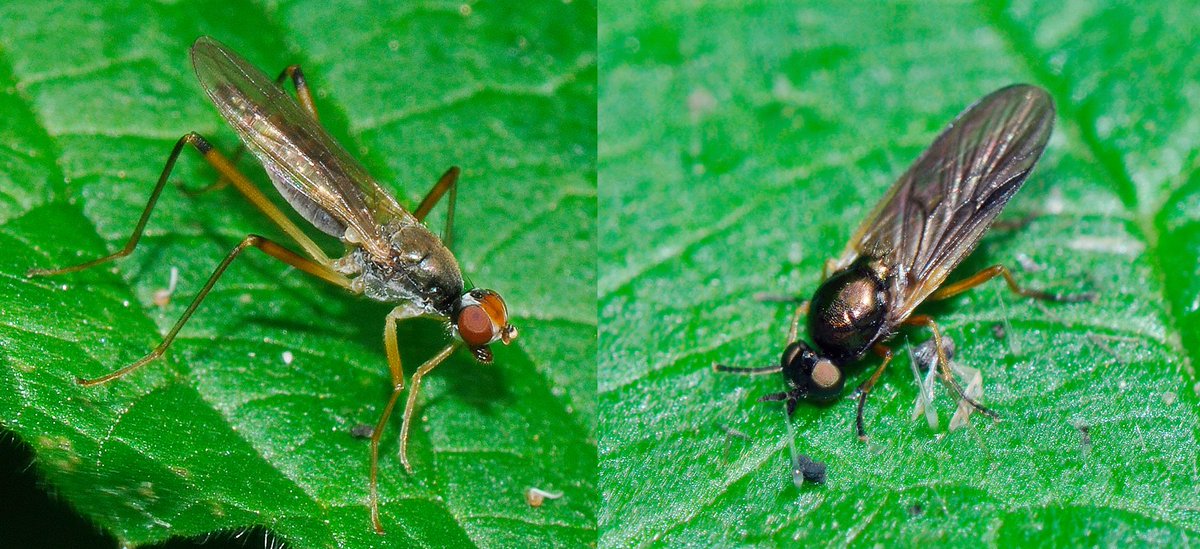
934, 216
311, 170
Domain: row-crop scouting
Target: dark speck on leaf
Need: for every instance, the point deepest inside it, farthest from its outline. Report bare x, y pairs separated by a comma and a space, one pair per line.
362, 430
804, 469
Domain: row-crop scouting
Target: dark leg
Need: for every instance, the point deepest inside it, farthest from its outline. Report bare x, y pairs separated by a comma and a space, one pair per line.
271, 248
776, 397
218, 161
447, 182
989, 273
392, 347
944, 364
863, 390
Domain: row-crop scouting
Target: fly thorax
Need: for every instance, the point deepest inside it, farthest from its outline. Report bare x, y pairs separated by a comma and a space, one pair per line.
847, 312
419, 270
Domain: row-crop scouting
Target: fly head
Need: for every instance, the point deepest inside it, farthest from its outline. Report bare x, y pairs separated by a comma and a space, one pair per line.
481, 318
810, 375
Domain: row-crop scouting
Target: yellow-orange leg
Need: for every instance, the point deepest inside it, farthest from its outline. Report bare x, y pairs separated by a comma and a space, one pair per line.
248, 190
864, 389
392, 347
270, 248
411, 403
951, 290
944, 364
393, 352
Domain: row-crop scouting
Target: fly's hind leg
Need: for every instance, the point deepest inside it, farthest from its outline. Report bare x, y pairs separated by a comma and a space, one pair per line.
270, 248
944, 365
951, 290
410, 403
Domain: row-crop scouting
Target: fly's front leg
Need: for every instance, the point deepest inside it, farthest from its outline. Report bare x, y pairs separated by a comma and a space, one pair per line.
861, 393
392, 348
411, 403
271, 248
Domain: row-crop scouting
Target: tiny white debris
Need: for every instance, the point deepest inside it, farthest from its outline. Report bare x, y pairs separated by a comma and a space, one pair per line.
535, 496
1055, 203
288, 357
163, 297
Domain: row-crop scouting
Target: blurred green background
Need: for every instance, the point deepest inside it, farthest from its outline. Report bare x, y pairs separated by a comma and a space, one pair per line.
226, 433
740, 145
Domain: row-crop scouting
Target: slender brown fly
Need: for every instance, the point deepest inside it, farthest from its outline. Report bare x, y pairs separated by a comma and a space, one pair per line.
930, 220
390, 255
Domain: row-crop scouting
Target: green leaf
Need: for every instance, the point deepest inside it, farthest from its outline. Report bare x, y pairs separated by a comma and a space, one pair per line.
775, 129
225, 432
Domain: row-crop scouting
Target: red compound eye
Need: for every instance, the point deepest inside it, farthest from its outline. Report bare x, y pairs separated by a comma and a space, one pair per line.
475, 326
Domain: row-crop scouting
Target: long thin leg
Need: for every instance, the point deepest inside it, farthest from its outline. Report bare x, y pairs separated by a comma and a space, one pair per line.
397, 370
447, 182
303, 94
222, 165
271, 248
951, 290
411, 403
944, 364
863, 390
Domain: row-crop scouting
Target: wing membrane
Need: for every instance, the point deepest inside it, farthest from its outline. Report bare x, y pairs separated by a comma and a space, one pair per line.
934, 216
310, 168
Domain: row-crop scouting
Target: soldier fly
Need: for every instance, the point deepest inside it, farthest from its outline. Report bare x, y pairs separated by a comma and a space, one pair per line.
390, 255
930, 220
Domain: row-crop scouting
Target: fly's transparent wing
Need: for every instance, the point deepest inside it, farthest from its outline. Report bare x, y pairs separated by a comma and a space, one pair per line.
934, 216
309, 167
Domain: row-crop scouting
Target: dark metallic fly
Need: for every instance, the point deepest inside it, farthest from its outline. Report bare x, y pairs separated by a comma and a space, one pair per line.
930, 220
390, 255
